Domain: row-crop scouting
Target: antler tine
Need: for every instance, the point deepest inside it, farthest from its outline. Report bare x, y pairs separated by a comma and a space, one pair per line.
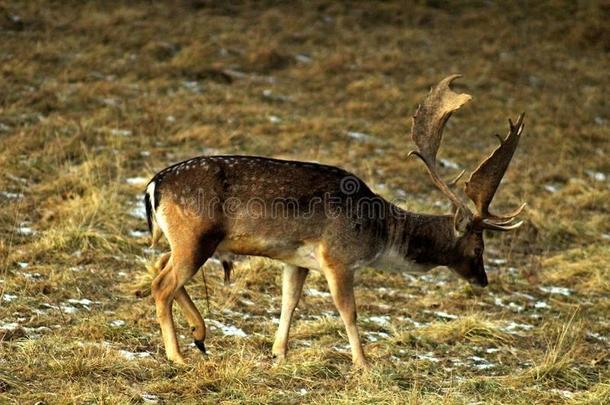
456, 178
496, 227
484, 181
427, 131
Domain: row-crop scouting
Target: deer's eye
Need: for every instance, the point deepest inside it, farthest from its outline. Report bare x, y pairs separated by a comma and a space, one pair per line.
478, 251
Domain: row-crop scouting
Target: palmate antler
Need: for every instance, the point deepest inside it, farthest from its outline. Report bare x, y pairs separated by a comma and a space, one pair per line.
427, 132
484, 181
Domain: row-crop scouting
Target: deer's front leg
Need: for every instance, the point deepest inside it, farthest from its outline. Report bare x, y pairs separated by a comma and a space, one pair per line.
293, 279
341, 284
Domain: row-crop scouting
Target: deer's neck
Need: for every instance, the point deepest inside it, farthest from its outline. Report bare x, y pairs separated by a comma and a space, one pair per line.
417, 242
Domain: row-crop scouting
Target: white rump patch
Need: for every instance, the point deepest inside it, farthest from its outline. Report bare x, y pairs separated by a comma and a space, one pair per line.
150, 190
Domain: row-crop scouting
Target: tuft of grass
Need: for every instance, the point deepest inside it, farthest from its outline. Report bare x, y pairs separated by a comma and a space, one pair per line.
473, 329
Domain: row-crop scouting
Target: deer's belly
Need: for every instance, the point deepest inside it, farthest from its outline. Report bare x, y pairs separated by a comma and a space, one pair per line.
293, 253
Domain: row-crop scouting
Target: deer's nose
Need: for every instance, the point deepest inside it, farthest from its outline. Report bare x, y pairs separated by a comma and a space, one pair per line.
482, 280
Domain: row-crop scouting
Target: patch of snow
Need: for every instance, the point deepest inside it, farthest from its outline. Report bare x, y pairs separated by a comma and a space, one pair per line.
133, 355
8, 297
513, 327
449, 164
524, 295
83, 301
342, 348
121, 132
274, 119
228, 330
192, 85
149, 398
302, 58
480, 363
25, 230
109, 101
68, 309
138, 212
483, 366
10, 326
597, 176
362, 137
312, 292
541, 305
556, 290
445, 315
267, 93
23, 265
414, 322
144, 153
427, 356
32, 276
515, 307
135, 181
375, 336
380, 320
170, 119
36, 331
597, 336
117, 323
457, 362
563, 393
498, 262
10, 195
551, 188
137, 234
246, 301
492, 350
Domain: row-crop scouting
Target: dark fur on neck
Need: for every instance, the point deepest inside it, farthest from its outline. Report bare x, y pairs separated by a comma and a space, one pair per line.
421, 237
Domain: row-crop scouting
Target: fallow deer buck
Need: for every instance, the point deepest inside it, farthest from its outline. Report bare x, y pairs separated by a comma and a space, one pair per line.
316, 217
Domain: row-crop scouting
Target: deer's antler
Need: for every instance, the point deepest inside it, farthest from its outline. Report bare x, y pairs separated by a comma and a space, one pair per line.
427, 132
484, 181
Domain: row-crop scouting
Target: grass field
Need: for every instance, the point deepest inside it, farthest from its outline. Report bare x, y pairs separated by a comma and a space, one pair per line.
95, 97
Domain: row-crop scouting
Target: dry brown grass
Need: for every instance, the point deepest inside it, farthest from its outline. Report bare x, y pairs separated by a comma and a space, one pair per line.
94, 93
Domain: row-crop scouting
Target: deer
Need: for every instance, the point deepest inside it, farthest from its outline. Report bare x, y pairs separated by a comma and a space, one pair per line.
315, 217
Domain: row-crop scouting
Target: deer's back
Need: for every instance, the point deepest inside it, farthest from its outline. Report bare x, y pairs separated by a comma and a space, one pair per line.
265, 205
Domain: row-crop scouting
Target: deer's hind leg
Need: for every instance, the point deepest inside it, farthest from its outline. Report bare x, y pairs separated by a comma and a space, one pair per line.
190, 311
188, 255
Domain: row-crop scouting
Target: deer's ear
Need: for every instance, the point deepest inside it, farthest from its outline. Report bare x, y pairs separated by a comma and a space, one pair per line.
461, 220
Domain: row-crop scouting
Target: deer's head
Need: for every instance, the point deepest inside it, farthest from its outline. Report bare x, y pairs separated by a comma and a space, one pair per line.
427, 132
